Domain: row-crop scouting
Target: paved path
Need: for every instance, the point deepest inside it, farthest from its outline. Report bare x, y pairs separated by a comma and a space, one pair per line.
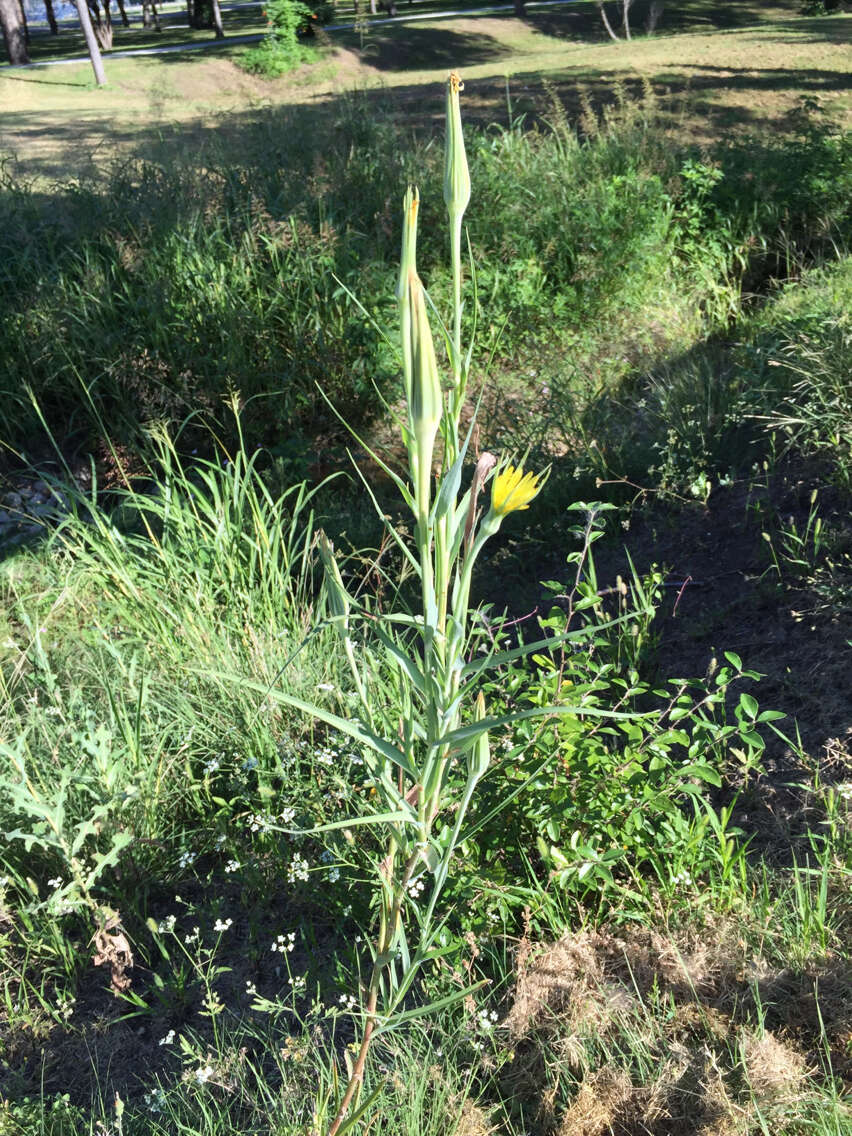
231, 41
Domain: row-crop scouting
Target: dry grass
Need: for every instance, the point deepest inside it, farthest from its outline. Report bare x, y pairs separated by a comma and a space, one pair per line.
668, 1034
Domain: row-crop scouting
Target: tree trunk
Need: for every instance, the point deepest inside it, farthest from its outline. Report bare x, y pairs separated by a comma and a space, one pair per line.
91, 42
655, 14
24, 22
217, 19
124, 18
605, 19
150, 19
51, 17
625, 21
13, 32
103, 24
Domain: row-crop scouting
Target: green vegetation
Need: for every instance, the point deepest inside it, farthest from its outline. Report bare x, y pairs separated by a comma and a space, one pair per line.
644, 920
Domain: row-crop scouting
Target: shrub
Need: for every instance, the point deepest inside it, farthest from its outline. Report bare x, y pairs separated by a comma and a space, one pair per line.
283, 49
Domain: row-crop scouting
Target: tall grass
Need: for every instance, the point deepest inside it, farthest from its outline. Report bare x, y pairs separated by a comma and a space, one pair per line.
163, 286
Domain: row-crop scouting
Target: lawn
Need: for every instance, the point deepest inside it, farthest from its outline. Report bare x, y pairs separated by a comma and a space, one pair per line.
711, 81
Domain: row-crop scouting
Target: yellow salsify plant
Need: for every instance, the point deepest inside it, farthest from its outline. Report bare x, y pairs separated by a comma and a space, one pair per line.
424, 732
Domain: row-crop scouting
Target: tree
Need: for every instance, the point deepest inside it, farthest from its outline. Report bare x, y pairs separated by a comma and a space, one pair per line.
655, 14
51, 17
149, 15
102, 25
625, 19
205, 14
13, 32
23, 12
91, 42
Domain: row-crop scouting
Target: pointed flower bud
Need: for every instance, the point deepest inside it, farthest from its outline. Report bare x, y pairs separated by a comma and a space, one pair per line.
407, 265
480, 755
456, 173
426, 401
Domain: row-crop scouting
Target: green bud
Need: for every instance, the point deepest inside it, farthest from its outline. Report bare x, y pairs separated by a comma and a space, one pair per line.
456, 173
407, 265
426, 402
336, 594
480, 754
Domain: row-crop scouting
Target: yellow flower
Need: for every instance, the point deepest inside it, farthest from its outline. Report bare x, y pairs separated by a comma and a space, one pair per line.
513, 489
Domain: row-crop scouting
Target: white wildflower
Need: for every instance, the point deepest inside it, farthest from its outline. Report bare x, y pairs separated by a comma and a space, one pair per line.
284, 943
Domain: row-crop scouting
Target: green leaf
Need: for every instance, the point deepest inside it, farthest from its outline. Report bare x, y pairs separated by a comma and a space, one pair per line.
374, 818
474, 729
749, 705
489, 661
703, 772
353, 1119
734, 660
404, 660
429, 1008
450, 483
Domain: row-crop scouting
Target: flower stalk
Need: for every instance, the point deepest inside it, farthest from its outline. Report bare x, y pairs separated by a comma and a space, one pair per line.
431, 746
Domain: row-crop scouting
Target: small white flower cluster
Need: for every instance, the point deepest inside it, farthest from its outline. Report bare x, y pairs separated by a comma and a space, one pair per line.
416, 887
186, 859
167, 924
222, 924
204, 1073
333, 875
233, 866
168, 1039
212, 766
284, 943
327, 756
297, 869
682, 878
347, 1002
66, 1007
156, 1100
487, 1019
288, 815
251, 989
259, 822
193, 937
55, 883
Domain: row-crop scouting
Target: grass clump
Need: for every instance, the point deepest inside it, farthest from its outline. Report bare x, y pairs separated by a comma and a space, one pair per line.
169, 283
